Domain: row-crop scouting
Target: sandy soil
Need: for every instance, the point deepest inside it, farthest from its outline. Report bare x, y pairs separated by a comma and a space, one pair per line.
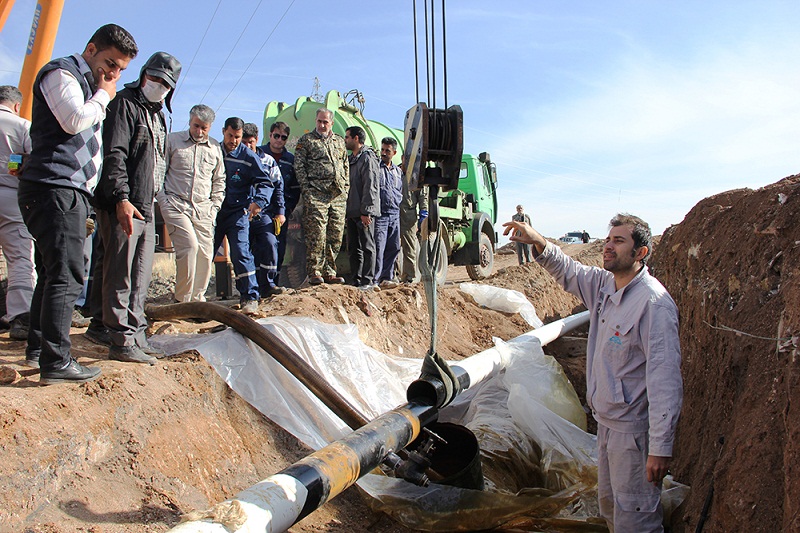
135, 449
733, 268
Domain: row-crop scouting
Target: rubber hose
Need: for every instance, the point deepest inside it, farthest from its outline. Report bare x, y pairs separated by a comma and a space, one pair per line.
271, 344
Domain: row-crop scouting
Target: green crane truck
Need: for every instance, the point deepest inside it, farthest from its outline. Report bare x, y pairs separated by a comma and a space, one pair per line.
466, 215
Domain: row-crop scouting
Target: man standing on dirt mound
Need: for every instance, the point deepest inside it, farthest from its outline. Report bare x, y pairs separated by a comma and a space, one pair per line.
248, 191
134, 166
194, 188
522, 248
633, 358
363, 208
70, 96
323, 172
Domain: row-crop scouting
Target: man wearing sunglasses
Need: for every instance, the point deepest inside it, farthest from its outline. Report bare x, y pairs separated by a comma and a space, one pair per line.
276, 147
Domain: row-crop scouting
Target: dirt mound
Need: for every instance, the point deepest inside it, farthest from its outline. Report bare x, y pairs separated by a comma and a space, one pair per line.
135, 449
733, 268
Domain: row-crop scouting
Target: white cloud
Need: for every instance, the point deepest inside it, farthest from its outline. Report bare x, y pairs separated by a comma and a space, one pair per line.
654, 137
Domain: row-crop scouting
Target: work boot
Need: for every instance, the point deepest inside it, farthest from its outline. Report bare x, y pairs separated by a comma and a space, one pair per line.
32, 358
389, 284
98, 336
315, 280
72, 373
149, 349
19, 329
78, 320
130, 354
334, 280
274, 290
249, 307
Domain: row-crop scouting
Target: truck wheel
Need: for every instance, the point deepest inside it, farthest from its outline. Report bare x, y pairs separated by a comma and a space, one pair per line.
484, 268
441, 271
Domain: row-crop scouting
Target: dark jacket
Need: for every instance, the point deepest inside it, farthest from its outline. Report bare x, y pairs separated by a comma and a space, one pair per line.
291, 188
364, 197
129, 161
246, 180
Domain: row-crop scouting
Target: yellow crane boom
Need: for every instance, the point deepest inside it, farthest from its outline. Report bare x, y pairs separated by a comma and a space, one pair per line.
46, 17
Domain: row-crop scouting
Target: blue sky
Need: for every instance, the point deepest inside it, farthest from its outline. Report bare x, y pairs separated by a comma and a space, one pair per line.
588, 108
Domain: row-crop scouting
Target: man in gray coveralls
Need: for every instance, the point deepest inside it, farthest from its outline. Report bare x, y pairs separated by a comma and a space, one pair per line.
633, 375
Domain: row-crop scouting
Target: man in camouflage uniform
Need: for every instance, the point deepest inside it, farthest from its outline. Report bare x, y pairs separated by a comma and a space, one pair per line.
322, 170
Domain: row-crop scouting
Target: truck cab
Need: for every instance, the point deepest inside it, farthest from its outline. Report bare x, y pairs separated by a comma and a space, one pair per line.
469, 214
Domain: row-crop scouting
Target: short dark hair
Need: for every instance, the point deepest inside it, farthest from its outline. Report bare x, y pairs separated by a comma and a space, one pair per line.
116, 36
391, 141
249, 130
9, 93
640, 231
357, 132
234, 123
280, 126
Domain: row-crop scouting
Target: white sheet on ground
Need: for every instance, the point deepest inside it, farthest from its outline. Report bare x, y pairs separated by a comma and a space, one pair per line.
537, 460
504, 300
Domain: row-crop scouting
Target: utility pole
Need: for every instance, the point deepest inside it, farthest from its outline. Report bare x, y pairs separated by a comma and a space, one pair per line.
316, 95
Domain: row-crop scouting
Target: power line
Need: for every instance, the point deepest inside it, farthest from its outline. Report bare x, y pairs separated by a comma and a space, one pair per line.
197, 50
233, 48
257, 53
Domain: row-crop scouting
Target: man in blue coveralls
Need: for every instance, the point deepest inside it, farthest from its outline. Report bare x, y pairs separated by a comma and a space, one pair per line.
264, 228
248, 190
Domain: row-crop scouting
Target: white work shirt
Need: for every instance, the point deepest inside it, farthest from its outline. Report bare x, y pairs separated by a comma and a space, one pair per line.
15, 138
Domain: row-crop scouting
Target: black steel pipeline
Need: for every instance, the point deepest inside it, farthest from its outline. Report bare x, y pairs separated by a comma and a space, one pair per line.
271, 344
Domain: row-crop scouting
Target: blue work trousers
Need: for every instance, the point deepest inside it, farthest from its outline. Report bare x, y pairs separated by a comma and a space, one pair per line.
234, 224
264, 245
387, 246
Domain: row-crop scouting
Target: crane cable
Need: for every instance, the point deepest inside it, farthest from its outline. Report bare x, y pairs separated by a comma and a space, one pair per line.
431, 232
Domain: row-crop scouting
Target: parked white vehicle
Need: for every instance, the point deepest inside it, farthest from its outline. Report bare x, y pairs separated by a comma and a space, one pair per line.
572, 237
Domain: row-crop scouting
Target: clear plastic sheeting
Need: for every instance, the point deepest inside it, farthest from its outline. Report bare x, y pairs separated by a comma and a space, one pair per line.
538, 463
543, 471
504, 300
371, 381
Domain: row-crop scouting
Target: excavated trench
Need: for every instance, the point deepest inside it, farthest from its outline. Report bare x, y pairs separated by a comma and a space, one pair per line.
167, 439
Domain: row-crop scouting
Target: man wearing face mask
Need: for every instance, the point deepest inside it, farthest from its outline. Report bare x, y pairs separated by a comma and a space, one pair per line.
134, 166
193, 191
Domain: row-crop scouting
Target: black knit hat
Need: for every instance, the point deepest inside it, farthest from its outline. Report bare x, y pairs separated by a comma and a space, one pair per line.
163, 66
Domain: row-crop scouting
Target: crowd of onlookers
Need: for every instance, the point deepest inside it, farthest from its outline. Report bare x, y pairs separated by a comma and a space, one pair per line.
84, 178
93, 161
